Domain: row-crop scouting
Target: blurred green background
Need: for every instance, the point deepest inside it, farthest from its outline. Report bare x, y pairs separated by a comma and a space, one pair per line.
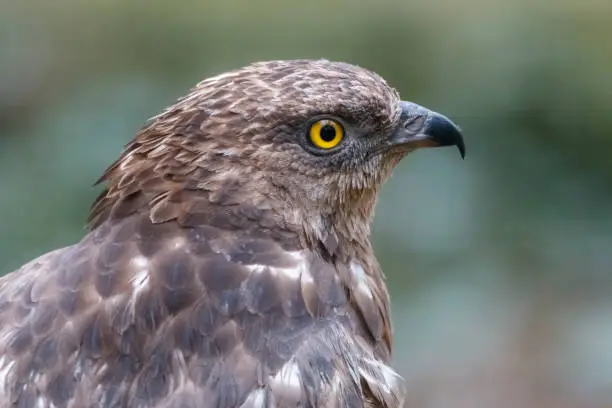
499, 266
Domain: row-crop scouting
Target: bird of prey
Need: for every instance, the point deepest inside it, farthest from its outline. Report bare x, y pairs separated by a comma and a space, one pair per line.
228, 260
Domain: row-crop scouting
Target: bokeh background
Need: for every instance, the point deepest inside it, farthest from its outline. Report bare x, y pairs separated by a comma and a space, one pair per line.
499, 266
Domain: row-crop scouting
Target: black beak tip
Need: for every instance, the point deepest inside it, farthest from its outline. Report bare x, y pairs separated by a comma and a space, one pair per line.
461, 147
444, 132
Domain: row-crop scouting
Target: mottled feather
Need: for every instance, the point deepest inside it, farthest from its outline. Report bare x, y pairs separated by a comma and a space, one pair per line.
225, 266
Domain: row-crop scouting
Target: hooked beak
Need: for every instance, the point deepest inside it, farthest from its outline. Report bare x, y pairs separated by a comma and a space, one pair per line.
420, 127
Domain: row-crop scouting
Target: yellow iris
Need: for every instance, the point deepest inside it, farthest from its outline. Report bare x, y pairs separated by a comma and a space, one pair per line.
326, 134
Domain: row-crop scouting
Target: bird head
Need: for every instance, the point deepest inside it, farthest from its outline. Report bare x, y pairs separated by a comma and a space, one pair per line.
313, 141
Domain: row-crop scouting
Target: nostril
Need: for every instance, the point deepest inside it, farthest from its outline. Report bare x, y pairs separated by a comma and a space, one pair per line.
415, 123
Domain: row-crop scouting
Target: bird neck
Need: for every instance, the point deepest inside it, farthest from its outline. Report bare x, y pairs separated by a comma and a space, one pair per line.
341, 234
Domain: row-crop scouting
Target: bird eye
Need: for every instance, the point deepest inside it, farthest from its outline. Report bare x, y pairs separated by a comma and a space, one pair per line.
326, 134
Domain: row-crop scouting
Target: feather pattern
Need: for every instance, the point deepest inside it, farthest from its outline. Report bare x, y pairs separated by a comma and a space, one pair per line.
226, 265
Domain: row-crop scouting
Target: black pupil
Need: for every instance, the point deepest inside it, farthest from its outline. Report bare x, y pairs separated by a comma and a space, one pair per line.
328, 133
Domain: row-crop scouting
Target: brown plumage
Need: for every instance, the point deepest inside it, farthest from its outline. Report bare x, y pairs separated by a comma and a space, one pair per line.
228, 262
